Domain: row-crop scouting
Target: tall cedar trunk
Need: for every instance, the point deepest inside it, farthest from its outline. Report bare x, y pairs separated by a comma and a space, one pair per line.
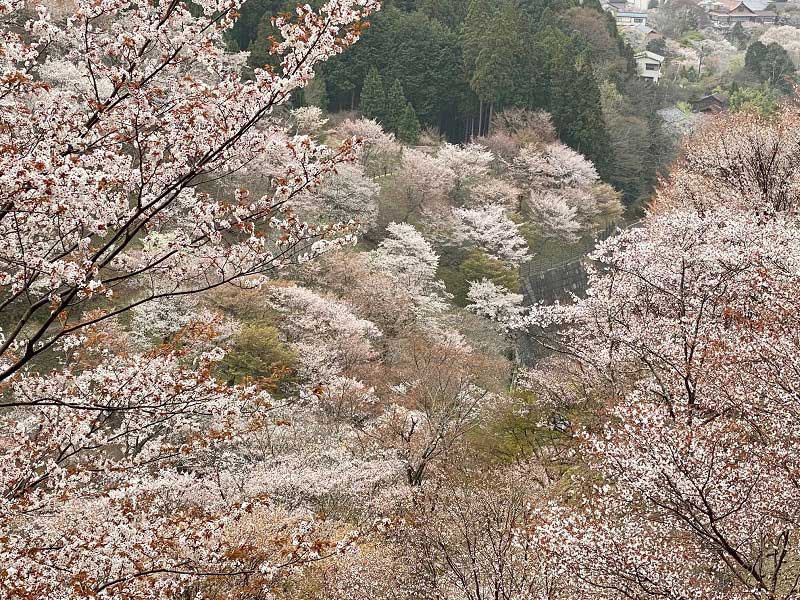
489, 121
480, 120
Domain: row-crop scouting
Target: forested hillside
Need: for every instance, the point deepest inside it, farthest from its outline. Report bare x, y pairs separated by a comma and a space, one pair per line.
295, 322
459, 62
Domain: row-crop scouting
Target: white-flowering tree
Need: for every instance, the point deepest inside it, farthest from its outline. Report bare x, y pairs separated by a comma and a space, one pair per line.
495, 192
106, 481
408, 257
785, 36
423, 184
491, 230
469, 164
687, 333
130, 158
470, 544
344, 195
379, 151
308, 119
553, 166
494, 302
554, 217
328, 338
753, 161
435, 399
113, 196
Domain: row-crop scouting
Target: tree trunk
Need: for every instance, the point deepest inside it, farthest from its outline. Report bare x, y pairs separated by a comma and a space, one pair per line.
489, 121
480, 120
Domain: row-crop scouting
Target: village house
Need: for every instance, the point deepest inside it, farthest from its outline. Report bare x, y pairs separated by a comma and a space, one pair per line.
626, 14
648, 65
647, 33
712, 103
726, 13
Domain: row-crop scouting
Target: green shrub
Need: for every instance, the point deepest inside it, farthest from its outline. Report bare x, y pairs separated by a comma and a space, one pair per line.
475, 267
259, 356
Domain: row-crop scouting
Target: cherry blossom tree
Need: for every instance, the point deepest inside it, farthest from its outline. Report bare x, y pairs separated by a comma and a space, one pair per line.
555, 165
785, 36
433, 402
328, 337
308, 119
492, 231
469, 164
555, 218
495, 192
344, 195
745, 160
120, 127
687, 337
133, 152
470, 546
103, 486
423, 184
379, 151
496, 303
408, 257
376, 294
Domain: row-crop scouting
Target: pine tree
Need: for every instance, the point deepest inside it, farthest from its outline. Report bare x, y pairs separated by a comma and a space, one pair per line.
738, 36
755, 57
499, 61
373, 96
408, 129
770, 64
395, 106
474, 34
574, 100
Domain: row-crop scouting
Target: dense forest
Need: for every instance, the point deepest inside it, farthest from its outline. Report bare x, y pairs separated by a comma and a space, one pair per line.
458, 62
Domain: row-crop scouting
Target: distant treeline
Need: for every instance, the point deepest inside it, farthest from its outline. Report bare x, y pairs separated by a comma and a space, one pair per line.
458, 63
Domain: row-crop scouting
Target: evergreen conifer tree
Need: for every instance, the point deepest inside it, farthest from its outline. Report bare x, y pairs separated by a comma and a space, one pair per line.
395, 106
373, 96
408, 129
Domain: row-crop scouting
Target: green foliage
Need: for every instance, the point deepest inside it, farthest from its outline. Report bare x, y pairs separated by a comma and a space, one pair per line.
259, 355
499, 48
473, 34
315, 94
762, 101
424, 55
396, 104
738, 36
659, 46
408, 129
515, 435
457, 61
373, 96
771, 65
251, 22
450, 13
478, 266
573, 96
255, 32
690, 37
640, 146
460, 270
